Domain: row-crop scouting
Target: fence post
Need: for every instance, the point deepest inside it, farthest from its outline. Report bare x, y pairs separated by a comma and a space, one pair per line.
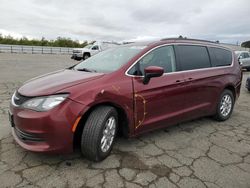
42, 50
22, 49
10, 49
68, 50
32, 49
50, 50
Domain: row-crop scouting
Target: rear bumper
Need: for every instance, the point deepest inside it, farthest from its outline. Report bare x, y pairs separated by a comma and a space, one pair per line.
238, 86
49, 132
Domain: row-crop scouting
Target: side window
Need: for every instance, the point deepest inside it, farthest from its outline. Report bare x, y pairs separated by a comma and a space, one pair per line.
193, 57
162, 57
95, 48
246, 55
220, 57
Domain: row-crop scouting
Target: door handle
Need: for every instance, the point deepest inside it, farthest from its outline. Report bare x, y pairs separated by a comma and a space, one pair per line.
184, 80
178, 81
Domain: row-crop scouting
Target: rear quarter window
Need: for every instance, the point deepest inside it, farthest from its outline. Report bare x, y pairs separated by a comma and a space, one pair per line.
193, 57
220, 57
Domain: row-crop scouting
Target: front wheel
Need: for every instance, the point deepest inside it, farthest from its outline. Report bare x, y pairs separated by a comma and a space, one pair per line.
99, 133
85, 56
225, 106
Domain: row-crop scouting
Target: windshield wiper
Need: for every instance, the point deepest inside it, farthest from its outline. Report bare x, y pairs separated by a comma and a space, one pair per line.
86, 70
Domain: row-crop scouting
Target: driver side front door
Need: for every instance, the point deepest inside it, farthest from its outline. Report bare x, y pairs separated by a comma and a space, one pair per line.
160, 102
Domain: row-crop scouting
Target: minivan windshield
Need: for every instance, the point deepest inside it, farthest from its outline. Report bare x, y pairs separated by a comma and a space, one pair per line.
109, 60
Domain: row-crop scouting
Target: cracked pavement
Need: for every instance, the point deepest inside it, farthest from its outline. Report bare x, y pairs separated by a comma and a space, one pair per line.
200, 153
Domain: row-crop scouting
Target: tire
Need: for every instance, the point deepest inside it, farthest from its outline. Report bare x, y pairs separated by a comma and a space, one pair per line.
224, 111
93, 133
248, 68
85, 56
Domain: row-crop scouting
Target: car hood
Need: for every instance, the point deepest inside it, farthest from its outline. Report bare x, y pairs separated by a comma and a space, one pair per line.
82, 49
52, 83
78, 49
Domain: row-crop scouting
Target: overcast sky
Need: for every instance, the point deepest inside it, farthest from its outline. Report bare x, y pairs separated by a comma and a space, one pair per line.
223, 20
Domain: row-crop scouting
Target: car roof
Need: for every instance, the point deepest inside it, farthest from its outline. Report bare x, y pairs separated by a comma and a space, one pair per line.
177, 40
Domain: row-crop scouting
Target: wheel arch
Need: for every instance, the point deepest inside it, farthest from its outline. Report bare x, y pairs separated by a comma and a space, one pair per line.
123, 121
229, 87
232, 89
86, 53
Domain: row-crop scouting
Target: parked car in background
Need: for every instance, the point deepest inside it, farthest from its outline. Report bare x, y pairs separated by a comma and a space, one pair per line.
244, 59
248, 84
91, 49
130, 89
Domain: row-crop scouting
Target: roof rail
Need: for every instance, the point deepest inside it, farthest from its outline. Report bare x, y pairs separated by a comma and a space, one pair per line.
185, 38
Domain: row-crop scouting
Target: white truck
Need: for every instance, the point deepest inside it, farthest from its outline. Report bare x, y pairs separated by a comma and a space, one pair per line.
244, 59
91, 49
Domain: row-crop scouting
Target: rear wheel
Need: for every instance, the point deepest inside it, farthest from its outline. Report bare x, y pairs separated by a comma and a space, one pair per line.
99, 133
225, 106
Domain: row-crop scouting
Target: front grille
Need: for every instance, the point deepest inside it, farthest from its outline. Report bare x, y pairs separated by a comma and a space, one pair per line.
27, 136
76, 51
19, 99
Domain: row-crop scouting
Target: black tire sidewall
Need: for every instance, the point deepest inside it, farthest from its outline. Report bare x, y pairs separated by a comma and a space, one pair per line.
102, 154
220, 117
85, 56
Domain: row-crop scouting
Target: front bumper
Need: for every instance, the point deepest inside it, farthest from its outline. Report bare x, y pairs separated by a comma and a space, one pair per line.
77, 56
245, 64
49, 132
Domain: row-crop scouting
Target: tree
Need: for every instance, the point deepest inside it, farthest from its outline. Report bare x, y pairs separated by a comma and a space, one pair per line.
59, 42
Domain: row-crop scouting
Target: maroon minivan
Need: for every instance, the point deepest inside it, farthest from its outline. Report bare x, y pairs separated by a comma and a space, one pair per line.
131, 89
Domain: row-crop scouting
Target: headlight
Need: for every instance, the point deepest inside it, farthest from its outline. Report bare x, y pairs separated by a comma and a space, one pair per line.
44, 103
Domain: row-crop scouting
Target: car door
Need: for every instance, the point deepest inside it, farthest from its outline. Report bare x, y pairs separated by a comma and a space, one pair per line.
248, 59
160, 102
200, 81
245, 59
94, 50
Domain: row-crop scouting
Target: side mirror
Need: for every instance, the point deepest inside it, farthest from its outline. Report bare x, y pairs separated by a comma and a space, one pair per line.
152, 71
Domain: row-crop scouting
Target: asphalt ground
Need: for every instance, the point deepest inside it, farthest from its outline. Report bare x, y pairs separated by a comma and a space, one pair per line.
200, 153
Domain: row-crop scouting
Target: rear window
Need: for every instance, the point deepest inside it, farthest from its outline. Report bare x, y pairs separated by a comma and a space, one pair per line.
220, 57
193, 57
